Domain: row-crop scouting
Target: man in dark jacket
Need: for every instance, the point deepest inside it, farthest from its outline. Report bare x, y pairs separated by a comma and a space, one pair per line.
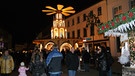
72, 62
53, 61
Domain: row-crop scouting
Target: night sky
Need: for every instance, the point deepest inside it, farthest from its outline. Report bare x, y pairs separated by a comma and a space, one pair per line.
24, 19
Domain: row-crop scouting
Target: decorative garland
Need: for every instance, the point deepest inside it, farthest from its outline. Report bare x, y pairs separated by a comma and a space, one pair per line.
132, 47
124, 21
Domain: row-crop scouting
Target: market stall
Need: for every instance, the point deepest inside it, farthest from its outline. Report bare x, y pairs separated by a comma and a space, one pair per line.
123, 26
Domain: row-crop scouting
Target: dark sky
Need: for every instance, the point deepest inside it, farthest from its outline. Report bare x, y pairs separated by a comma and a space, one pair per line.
24, 19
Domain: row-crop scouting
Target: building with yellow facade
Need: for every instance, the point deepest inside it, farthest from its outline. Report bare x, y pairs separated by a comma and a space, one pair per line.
105, 10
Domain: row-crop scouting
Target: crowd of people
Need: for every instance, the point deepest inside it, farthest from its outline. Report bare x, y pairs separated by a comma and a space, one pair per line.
40, 63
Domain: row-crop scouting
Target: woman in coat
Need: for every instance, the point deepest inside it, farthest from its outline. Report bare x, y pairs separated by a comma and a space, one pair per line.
37, 65
102, 61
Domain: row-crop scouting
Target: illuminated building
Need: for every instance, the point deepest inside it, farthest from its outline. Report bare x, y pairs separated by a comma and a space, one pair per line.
58, 30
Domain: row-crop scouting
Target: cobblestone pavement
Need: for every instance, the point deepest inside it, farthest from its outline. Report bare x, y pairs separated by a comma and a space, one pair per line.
116, 71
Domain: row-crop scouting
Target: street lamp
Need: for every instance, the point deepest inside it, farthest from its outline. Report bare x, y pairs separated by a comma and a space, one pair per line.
92, 20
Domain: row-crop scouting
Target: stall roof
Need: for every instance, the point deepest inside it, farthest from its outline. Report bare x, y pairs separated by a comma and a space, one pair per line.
121, 23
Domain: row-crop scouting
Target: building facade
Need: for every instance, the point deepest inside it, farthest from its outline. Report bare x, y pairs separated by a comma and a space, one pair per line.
105, 10
76, 26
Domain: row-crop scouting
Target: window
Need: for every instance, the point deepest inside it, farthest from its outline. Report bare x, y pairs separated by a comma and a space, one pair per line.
91, 12
99, 11
72, 21
84, 32
117, 10
78, 33
68, 34
73, 34
68, 23
78, 19
84, 17
132, 4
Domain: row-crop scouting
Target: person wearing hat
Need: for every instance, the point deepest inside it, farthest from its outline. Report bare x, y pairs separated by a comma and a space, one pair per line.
22, 69
6, 63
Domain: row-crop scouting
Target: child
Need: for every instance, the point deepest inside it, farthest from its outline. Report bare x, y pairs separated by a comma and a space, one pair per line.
22, 69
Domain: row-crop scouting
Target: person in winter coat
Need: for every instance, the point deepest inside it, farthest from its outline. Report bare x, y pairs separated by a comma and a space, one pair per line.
54, 62
102, 61
72, 62
110, 59
22, 69
37, 64
86, 59
6, 63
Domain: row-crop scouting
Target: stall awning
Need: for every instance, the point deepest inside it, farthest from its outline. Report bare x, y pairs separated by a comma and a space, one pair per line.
121, 23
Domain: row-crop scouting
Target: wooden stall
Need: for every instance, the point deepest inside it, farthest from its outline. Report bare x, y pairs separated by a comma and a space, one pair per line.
123, 26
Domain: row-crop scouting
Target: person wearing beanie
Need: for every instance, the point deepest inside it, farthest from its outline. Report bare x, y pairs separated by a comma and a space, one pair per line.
22, 69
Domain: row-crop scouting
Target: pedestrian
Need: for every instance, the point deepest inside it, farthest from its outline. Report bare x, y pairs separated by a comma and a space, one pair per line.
109, 58
86, 60
37, 64
22, 69
6, 62
72, 62
54, 62
102, 61
63, 53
